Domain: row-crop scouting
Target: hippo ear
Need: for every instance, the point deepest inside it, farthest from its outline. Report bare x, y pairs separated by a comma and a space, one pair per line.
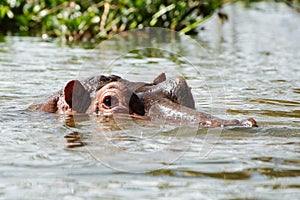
76, 96
160, 78
136, 105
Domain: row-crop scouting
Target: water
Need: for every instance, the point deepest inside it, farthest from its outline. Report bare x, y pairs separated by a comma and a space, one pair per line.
250, 68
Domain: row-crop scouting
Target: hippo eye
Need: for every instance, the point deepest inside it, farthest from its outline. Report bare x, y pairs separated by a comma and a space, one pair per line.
107, 101
110, 101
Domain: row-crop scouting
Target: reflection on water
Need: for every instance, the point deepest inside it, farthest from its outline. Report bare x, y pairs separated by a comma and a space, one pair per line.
51, 156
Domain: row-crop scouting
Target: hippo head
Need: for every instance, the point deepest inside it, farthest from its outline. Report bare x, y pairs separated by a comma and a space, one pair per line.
116, 97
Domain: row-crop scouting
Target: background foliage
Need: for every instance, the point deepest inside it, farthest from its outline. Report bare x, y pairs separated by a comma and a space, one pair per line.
80, 20
91, 19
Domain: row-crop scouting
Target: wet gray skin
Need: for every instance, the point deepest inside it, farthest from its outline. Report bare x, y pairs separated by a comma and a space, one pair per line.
169, 100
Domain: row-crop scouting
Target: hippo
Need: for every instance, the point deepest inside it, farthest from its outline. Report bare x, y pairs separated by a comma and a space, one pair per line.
170, 100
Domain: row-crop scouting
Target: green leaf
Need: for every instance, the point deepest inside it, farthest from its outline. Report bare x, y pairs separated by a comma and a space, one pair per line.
194, 25
160, 13
3, 11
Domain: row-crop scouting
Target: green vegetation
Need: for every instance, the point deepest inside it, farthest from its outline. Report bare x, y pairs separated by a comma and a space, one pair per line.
91, 19
95, 20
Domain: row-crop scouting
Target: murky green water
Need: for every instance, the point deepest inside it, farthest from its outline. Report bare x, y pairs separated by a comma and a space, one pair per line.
250, 68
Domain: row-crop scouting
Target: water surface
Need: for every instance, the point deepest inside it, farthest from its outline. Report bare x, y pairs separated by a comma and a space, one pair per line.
249, 67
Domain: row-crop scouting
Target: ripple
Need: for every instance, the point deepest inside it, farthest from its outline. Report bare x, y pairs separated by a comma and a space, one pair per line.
276, 173
190, 173
296, 90
278, 102
271, 113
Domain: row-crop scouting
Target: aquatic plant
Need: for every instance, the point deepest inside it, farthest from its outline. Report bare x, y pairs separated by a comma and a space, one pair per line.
93, 20
84, 20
